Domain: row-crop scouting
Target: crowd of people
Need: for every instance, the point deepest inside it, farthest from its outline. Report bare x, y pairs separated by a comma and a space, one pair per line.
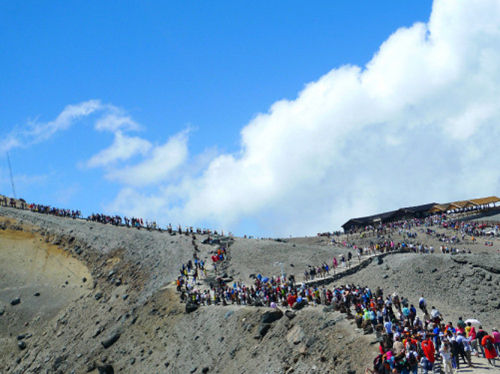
463, 228
46, 209
101, 218
410, 339
409, 343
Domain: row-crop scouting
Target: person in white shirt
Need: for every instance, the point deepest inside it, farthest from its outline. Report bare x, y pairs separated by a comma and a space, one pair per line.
461, 339
446, 358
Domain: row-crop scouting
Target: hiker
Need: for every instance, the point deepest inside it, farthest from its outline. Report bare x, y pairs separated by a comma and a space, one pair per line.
479, 336
466, 347
446, 358
488, 343
496, 336
428, 352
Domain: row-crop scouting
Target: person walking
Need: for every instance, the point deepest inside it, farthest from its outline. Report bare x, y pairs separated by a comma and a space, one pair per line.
479, 336
496, 336
489, 348
446, 358
428, 350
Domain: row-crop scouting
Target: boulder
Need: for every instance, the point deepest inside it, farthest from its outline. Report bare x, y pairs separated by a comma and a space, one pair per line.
263, 329
299, 306
271, 316
190, 307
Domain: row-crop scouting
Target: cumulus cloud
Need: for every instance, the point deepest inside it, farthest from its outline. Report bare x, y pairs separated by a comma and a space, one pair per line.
164, 159
418, 123
123, 148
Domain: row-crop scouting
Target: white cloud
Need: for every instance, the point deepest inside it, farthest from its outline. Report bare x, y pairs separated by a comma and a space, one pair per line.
163, 161
418, 123
116, 121
123, 148
36, 132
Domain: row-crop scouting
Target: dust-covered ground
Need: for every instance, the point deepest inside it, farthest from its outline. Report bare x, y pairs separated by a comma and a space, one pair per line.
106, 300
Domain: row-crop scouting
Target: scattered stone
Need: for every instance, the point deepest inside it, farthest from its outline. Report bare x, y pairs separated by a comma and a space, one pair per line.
2, 311
132, 361
289, 314
21, 345
125, 297
98, 296
106, 369
110, 340
15, 301
36, 294
84, 279
328, 324
205, 370
98, 332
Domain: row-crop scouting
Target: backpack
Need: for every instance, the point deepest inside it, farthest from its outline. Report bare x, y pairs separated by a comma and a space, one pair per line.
378, 364
412, 360
426, 364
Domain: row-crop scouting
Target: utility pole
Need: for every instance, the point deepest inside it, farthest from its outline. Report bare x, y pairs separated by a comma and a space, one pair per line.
11, 177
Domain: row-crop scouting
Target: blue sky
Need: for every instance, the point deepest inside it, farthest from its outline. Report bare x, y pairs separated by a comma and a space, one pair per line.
199, 74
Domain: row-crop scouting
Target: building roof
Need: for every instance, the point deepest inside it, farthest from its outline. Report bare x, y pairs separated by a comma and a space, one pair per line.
419, 209
486, 200
386, 216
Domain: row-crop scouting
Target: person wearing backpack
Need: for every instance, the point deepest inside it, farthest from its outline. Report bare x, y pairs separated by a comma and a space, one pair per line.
380, 365
488, 342
479, 336
411, 361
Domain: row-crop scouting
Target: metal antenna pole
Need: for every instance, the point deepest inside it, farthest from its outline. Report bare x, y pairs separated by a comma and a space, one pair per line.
11, 176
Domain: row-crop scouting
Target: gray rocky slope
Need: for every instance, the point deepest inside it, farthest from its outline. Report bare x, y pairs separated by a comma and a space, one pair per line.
128, 317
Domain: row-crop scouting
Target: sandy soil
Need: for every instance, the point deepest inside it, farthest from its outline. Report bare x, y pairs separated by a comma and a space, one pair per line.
29, 266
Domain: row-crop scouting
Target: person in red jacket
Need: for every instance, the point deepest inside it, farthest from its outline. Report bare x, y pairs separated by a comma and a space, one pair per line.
428, 348
291, 299
490, 353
